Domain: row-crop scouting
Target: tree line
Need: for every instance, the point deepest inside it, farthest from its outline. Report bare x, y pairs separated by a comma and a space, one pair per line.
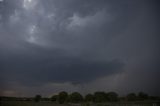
97, 97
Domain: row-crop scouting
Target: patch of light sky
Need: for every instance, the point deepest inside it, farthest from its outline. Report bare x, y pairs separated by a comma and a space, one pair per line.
101, 17
15, 17
29, 4
32, 34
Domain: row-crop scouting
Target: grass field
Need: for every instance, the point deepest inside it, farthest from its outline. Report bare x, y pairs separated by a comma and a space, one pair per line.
31, 103
28, 103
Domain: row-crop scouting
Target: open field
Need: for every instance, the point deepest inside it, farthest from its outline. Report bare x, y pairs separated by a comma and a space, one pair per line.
31, 103
28, 103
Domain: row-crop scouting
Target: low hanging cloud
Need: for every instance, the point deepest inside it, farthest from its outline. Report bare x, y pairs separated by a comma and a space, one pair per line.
40, 69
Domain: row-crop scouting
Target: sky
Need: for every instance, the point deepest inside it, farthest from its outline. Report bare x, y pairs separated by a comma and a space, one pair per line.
48, 46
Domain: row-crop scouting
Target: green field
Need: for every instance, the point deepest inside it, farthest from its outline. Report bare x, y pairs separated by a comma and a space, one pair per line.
28, 103
31, 103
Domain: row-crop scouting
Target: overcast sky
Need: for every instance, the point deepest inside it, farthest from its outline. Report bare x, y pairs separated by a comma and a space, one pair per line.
47, 46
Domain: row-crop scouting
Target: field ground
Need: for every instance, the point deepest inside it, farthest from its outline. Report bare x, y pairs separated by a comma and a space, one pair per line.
31, 103
28, 103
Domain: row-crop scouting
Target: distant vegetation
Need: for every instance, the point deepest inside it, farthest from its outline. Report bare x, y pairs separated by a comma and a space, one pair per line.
97, 97
101, 97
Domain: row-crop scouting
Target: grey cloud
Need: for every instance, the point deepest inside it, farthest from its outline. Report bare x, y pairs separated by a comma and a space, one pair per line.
78, 41
54, 68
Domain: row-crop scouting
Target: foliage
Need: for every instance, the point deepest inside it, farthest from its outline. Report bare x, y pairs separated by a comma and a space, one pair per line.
75, 97
100, 97
112, 96
54, 98
37, 98
131, 97
89, 98
62, 97
142, 96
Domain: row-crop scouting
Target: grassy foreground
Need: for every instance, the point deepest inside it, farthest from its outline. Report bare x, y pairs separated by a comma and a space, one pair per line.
32, 103
28, 103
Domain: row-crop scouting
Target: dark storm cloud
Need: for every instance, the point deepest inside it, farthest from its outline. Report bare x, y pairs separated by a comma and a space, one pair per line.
55, 67
77, 41
51, 67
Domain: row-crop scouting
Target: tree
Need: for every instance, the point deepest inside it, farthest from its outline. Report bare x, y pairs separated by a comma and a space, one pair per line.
62, 97
99, 97
37, 98
45, 99
112, 96
131, 97
75, 97
142, 96
89, 98
54, 98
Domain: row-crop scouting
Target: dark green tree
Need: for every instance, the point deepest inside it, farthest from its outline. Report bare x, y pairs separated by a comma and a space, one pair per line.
89, 98
54, 98
131, 97
37, 98
142, 96
112, 96
62, 97
99, 97
75, 97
